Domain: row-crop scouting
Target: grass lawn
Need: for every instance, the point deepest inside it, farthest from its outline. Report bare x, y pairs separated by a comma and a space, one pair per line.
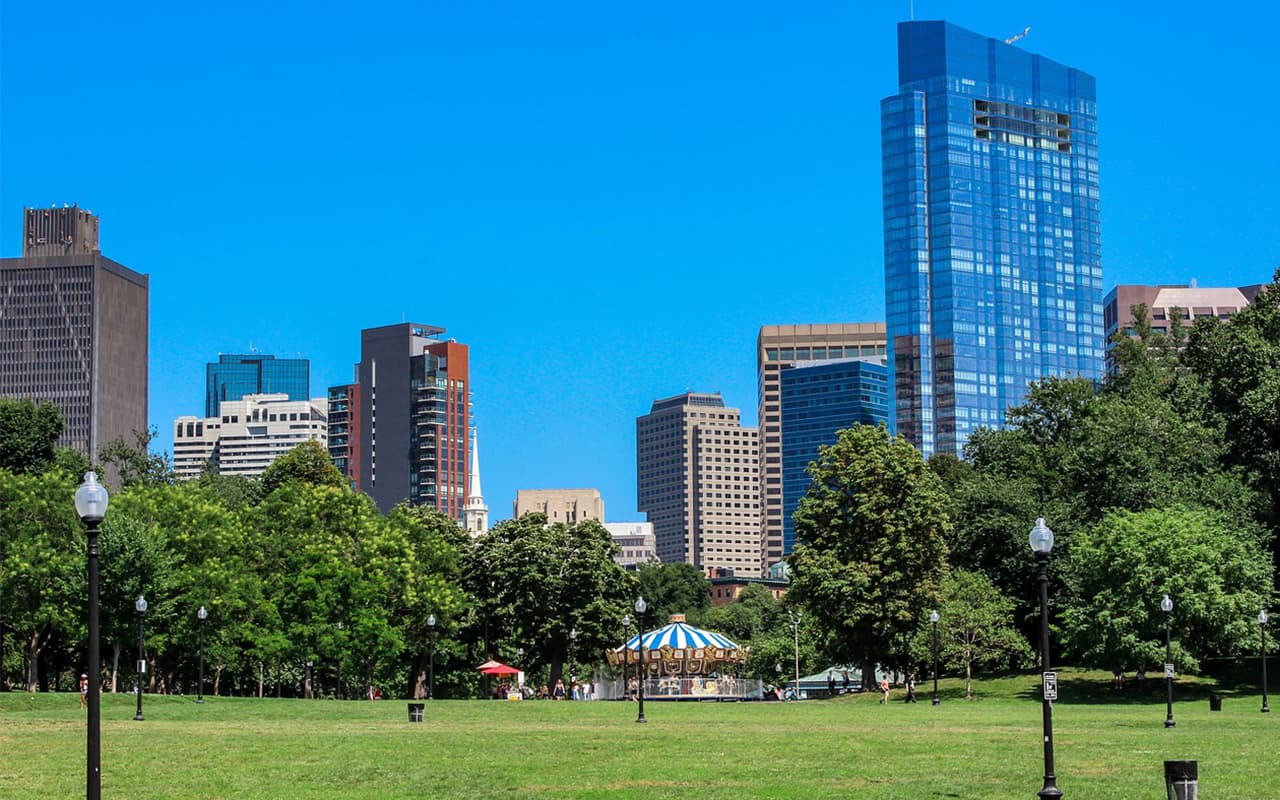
990, 748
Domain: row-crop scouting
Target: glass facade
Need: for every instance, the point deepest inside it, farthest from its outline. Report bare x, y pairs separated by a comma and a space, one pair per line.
993, 272
234, 376
819, 400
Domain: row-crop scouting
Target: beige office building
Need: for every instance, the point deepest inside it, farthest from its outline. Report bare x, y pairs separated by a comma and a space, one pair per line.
635, 543
561, 505
779, 346
698, 483
1188, 302
248, 435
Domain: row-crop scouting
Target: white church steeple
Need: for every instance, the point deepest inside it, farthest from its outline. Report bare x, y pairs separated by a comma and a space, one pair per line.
475, 514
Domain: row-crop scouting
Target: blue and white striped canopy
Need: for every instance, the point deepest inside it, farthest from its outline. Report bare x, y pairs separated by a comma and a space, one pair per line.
679, 635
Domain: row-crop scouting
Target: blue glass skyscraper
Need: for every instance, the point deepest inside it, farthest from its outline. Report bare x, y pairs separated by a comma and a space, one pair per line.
993, 276
819, 399
234, 376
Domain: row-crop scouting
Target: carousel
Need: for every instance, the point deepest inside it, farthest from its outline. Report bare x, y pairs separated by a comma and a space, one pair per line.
681, 662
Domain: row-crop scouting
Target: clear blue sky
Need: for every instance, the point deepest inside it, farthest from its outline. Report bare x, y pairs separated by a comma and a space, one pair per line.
605, 200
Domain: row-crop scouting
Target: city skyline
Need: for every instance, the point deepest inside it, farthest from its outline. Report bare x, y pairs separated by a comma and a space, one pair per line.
605, 205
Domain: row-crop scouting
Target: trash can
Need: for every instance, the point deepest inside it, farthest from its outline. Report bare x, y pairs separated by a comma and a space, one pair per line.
1215, 702
1180, 780
415, 711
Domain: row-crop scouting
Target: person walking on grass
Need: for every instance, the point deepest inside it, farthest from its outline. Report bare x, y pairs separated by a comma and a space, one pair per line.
911, 688
884, 691
831, 684
84, 690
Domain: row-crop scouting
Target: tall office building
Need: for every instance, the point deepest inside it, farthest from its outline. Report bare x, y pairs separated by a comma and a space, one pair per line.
777, 347
233, 377
246, 435
344, 431
415, 412
73, 329
697, 474
818, 400
993, 276
1188, 301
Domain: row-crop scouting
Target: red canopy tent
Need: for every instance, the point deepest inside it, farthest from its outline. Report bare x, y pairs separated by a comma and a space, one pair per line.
490, 664
500, 669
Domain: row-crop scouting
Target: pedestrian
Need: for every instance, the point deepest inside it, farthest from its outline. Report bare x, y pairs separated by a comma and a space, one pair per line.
911, 688
558, 692
84, 690
831, 683
844, 681
1141, 677
884, 690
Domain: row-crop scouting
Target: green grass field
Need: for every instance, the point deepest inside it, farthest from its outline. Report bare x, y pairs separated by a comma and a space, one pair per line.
849, 747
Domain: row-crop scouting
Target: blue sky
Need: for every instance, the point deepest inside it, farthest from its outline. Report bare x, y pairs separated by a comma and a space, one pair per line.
604, 200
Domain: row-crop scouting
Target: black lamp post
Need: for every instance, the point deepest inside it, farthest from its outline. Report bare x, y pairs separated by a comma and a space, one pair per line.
1166, 605
573, 640
778, 668
202, 615
1041, 543
91, 505
933, 617
795, 632
141, 605
626, 654
641, 605
1262, 628
431, 656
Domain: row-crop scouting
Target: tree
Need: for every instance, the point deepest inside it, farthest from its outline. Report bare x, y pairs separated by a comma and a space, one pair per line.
29, 434
975, 628
42, 562
1216, 571
135, 464
134, 562
872, 552
536, 582
309, 462
676, 588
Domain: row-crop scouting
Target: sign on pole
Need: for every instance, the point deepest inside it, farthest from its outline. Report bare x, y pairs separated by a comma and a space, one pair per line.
1051, 686
1168, 671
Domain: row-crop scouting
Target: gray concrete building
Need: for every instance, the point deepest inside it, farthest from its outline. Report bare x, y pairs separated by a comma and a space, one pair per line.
247, 435
697, 474
74, 329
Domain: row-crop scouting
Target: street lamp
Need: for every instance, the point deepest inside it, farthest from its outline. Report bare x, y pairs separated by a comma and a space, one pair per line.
141, 605
91, 506
431, 657
933, 617
778, 668
641, 605
201, 615
1166, 605
1041, 543
1262, 628
626, 654
573, 640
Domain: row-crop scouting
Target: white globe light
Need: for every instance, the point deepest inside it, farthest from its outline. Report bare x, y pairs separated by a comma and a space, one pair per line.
431, 620
641, 605
202, 614
1041, 538
1262, 617
1166, 605
91, 499
141, 604
933, 616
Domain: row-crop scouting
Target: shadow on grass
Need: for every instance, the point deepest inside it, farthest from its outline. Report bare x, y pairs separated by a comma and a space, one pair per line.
1096, 688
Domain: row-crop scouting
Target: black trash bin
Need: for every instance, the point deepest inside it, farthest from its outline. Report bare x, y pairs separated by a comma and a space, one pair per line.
415, 711
1215, 702
1180, 780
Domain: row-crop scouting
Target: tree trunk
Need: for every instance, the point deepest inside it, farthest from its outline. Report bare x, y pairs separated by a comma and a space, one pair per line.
418, 678
115, 665
261, 678
968, 676
217, 679
869, 676
34, 646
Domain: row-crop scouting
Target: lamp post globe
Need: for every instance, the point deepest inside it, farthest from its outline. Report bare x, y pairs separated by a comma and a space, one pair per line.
641, 606
1166, 605
431, 656
141, 606
91, 506
201, 615
933, 618
1041, 540
1262, 629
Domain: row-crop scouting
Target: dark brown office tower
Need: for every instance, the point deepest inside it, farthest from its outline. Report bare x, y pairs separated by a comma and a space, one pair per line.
414, 412
73, 329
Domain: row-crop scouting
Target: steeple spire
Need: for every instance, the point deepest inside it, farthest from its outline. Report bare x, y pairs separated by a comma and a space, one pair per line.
475, 515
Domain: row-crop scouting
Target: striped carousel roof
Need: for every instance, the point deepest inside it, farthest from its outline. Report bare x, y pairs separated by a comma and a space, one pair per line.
679, 634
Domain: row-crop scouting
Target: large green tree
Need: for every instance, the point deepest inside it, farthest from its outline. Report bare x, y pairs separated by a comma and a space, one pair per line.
871, 550
29, 434
1217, 572
975, 628
309, 462
676, 588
